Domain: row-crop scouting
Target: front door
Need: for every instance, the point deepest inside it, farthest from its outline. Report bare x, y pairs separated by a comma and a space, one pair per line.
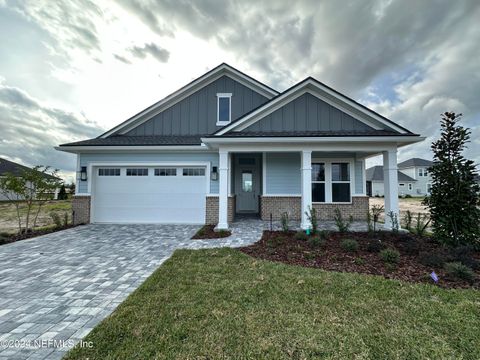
247, 185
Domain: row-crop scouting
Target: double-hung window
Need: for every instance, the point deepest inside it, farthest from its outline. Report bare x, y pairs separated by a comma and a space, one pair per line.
318, 182
341, 182
331, 182
224, 109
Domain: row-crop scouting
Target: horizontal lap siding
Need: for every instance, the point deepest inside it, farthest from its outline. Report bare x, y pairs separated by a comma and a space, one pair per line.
85, 159
283, 173
197, 114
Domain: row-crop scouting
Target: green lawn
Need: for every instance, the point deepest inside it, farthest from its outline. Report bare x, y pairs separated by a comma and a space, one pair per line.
221, 303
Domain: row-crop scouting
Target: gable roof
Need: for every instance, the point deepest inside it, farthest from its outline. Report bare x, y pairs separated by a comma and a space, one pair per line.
325, 93
148, 140
190, 88
414, 162
7, 166
375, 173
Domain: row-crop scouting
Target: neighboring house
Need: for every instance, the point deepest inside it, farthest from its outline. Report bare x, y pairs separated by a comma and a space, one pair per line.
374, 176
413, 178
226, 144
7, 166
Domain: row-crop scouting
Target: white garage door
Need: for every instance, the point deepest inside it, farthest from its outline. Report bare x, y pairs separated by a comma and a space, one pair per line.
173, 194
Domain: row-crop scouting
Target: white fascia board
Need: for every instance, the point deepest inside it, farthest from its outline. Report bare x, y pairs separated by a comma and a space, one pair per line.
315, 89
81, 149
315, 140
186, 91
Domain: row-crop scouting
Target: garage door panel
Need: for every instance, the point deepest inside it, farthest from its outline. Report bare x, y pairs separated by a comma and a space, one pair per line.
149, 199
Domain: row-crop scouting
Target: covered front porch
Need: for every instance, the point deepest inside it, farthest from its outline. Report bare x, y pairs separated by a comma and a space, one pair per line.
268, 180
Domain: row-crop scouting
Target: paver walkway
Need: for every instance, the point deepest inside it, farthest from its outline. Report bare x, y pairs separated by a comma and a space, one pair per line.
59, 286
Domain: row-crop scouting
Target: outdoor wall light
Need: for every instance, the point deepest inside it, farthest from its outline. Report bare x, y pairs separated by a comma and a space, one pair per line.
214, 173
83, 173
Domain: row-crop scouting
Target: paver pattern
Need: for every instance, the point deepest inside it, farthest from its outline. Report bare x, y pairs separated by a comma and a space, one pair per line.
59, 286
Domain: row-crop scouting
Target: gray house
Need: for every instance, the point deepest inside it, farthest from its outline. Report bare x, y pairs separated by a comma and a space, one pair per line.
413, 178
227, 144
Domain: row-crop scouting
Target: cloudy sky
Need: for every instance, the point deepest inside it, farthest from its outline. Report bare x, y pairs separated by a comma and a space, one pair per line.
70, 70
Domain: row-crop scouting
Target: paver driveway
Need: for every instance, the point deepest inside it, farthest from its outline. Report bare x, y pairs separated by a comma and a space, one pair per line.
59, 286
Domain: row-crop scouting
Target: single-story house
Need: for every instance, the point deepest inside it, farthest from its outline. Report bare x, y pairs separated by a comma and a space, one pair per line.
7, 166
226, 144
413, 178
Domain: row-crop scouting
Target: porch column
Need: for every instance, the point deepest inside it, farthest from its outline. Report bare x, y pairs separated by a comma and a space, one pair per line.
306, 175
223, 191
390, 181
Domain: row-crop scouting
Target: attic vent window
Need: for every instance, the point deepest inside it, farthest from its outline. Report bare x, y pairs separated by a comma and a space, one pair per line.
224, 109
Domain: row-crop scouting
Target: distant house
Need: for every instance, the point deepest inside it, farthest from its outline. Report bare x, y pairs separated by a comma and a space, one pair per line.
413, 178
7, 166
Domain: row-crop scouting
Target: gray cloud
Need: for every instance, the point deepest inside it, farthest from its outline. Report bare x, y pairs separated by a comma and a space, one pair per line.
151, 49
30, 130
122, 59
70, 23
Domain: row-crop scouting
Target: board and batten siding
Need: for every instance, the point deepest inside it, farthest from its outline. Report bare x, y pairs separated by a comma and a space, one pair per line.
308, 113
86, 159
197, 114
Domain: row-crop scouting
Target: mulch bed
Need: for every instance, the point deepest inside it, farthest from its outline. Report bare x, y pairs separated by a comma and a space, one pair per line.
283, 247
31, 234
208, 232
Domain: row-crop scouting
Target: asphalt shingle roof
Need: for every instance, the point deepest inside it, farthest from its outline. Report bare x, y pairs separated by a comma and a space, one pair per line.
414, 162
331, 133
7, 166
375, 173
151, 140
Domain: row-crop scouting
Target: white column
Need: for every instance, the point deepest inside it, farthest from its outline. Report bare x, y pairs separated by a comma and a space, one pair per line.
223, 191
390, 180
306, 174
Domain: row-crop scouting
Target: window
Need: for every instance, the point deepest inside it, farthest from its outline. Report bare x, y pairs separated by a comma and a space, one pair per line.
402, 185
193, 172
340, 182
108, 172
410, 187
429, 188
166, 172
137, 172
422, 172
318, 182
224, 111
247, 181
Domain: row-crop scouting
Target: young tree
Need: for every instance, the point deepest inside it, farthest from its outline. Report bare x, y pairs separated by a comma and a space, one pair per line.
454, 197
32, 187
62, 194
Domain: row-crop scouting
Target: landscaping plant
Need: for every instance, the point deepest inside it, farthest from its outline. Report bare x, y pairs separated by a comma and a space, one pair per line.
284, 221
460, 271
312, 217
376, 211
349, 245
408, 219
423, 220
32, 187
454, 196
394, 221
300, 235
390, 256
316, 241
342, 224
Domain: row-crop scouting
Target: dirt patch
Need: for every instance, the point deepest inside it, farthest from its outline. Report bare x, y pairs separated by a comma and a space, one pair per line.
7, 239
412, 204
208, 232
330, 254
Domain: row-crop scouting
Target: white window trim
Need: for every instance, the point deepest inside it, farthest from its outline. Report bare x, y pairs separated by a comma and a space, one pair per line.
328, 178
320, 181
229, 96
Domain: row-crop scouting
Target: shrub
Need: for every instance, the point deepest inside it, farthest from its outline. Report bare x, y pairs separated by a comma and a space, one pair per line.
284, 221
316, 241
421, 224
56, 219
411, 247
459, 271
376, 211
65, 219
349, 245
408, 220
375, 246
340, 222
300, 235
390, 256
463, 254
324, 234
312, 217
433, 259
408, 196
359, 261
